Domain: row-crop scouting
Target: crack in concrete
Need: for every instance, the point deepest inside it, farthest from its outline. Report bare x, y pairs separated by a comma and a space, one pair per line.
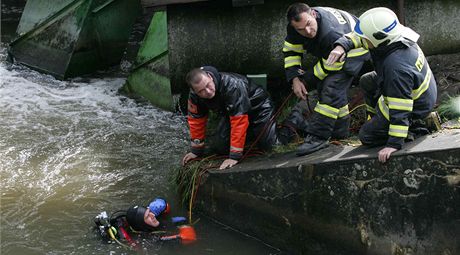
269, 198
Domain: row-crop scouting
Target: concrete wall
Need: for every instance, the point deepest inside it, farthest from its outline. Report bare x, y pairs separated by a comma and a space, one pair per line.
437, 22
341, 200
249, 39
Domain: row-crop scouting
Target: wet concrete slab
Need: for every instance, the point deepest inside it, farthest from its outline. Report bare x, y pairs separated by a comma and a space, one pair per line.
341, 200
446, 140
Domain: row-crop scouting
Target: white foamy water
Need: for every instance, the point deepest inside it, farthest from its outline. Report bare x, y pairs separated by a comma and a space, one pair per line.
76, 123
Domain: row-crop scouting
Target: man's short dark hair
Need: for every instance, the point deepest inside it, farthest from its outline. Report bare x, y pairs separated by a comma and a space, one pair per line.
194, 76
294, 11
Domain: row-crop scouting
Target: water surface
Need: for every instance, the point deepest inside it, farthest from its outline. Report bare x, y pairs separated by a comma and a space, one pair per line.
71, 149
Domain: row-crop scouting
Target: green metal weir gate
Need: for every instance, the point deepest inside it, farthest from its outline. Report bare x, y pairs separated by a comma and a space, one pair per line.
150, 76
68, 38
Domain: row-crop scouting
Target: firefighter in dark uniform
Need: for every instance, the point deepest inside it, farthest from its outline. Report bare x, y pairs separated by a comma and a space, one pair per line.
402, 91
243, 106
314, 30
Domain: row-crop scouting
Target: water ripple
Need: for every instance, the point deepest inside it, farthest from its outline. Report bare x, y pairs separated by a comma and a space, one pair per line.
69, 149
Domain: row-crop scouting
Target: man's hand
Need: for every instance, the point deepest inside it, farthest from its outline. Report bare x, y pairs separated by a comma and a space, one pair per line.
299, 88
228, 163
384, 154
189, 156
337, 54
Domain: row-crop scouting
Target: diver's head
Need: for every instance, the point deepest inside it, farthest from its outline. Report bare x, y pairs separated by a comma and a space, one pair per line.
145, 219
139, 218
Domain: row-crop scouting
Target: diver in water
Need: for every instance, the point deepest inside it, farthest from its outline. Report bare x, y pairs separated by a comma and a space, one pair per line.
140, 218
121, 225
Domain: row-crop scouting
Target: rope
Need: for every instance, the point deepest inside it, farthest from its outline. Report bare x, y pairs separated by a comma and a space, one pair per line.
268, 124
356, 107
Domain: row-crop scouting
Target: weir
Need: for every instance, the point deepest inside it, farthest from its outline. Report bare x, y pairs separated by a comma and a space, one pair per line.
68, 38
342, 199
150, 75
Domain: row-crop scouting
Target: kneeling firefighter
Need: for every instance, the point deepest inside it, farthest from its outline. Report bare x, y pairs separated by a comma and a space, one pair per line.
401, 92
245, 110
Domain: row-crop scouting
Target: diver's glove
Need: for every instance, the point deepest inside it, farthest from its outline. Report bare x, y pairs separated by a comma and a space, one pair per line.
178, 220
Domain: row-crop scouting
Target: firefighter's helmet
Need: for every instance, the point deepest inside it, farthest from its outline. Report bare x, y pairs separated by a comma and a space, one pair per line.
379, 25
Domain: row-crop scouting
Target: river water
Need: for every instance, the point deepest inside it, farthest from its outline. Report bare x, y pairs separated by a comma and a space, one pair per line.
72, 149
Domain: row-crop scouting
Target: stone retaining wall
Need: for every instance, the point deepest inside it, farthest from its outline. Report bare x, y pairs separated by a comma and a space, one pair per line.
343, 201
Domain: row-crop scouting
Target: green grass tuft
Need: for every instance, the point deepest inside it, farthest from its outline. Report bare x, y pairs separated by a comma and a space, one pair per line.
187, 178
450, 108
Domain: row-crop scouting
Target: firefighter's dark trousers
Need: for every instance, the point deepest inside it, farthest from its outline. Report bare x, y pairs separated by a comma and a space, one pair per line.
371, 90
375, 131
331, 117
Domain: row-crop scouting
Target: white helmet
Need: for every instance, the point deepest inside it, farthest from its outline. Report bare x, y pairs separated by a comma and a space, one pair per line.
379, 25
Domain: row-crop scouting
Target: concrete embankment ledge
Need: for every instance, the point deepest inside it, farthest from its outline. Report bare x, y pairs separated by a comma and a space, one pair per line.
342, 200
